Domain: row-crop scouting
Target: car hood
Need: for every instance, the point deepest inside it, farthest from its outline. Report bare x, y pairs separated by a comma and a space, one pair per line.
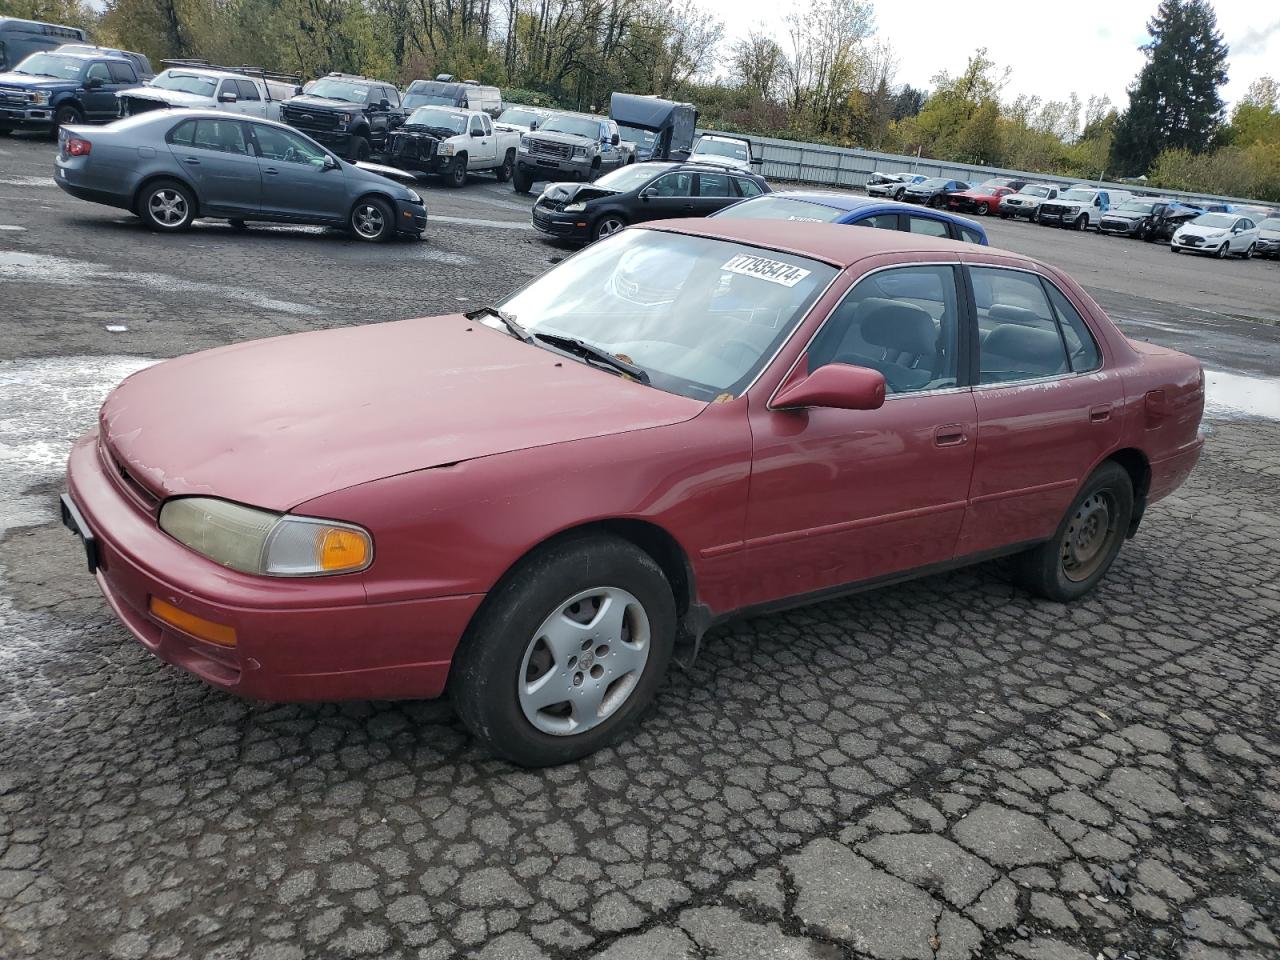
275, 423
1269, 234
35, 83
1127, 215
174, 98
581, 192
1197, 230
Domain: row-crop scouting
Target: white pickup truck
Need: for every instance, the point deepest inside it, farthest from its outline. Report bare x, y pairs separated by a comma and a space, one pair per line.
452, 143
208, 88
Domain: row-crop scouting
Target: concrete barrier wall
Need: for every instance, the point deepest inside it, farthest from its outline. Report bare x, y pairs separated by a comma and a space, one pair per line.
821, 164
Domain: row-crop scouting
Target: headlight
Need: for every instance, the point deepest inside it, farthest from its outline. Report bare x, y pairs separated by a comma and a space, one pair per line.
445, 149
345, 117
575, 207
579, 151
263, 542
414, 197
38, 96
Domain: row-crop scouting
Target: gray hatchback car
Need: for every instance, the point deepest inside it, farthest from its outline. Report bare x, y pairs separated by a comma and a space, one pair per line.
173, 166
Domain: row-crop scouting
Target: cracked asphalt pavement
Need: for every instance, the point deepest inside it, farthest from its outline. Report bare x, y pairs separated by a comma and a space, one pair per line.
942, 770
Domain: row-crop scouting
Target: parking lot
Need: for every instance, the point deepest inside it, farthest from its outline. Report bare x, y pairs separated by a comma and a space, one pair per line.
944, 769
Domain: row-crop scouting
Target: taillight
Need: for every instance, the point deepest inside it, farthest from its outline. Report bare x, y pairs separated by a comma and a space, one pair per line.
78, 148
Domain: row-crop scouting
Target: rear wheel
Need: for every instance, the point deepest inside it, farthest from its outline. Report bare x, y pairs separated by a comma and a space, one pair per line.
373, 220
166, 206
521, 182
1070, 564
567, 651
1248, 254
503, 173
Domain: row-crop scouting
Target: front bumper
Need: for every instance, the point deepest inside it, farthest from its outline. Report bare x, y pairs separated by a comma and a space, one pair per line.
548, 168
295, 640
1019, 210
1267, 248
411, 218
1119, 228
26, 118
1200, 244
1053, 219
916, 198
566, 226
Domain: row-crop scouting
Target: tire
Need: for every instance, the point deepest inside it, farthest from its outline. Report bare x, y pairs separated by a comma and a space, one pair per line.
935, 202
897, 194
503, 173
1223, 251
521, 182
1172, 248
607, 225
65, 116
166, 206
1082, 223
1004, 216
982, 209
530, 625
372, 220
595, 171
1097, 521
457, 175
238, 224
5, 131
1248, 254
360, 149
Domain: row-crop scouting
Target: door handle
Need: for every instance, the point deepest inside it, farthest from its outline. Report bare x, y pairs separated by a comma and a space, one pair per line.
950, 435
191, 160
1100, 413
271, 171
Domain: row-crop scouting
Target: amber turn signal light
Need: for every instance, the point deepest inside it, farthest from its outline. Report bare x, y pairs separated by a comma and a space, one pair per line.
219, 633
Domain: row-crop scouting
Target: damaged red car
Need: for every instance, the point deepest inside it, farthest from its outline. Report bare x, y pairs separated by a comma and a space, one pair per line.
528, 505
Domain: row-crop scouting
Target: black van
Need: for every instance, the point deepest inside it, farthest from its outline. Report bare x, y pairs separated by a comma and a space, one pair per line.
21, 38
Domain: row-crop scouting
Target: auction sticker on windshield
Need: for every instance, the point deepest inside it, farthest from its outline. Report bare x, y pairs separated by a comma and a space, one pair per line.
775, 271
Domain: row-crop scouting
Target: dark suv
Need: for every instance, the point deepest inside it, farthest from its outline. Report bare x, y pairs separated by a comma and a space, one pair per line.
349, 114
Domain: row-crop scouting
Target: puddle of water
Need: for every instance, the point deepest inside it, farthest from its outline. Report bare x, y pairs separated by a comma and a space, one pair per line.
15, 265
1232, 395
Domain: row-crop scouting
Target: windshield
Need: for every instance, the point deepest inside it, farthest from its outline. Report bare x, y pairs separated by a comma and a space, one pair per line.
519, 118
1035, 191
438, 119
578, 126
1271, 223
641, 138
343, 90
185, 83
1136, 206
632, 176
700, 316
51, 65
936, 182
781, 208
722, 148
1215, 220
1083, 195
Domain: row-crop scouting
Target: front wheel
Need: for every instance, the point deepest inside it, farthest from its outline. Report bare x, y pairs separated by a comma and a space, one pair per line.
457, 175
503, 173
1070, 564
521, 182
897, 194
567, 651
1082, 223
1248, 254
373, 220
167, 206
607, 226
1222, 252
66, 116
983, 209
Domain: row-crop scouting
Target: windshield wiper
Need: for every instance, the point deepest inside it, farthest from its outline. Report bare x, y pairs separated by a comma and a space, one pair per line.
590, 351
517, 331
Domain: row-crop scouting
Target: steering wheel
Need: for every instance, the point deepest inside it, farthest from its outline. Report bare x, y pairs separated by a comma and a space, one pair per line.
292, 155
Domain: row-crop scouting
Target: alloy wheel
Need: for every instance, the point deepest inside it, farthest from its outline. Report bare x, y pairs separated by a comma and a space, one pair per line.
167, 207
608, 227
584, 661
1089, 536
368, 221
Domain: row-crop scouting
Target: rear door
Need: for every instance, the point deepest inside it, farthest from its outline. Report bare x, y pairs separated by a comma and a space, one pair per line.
216, 157
295, 183
123, 76
714, 192
1047, 407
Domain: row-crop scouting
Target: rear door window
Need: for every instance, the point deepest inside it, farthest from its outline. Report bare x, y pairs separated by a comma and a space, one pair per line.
122, 73
1081, 347
224, 136
929, 227
747, 188
884, 221
968, 235
1017, 328
713, 185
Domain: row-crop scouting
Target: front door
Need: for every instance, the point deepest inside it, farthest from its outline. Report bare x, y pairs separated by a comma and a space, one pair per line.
296, 185
215, 154
99, 95
482, 144
842, 496
671, 195
1047, 409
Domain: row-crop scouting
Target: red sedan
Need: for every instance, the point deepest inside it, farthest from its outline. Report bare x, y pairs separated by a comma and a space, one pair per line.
981, 200
689, 421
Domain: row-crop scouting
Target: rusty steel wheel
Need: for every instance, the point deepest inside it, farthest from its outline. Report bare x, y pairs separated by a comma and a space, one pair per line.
1089, 533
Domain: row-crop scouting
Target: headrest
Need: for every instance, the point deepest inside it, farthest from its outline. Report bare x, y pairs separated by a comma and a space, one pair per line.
1007, 313
900, 326
1040, 349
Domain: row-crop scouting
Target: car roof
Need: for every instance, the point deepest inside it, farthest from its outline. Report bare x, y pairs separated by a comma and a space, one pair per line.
850, 203
831, 243
85, 54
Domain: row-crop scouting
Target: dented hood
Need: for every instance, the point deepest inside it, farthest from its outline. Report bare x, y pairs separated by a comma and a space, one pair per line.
579, 192
274, 423
174, 98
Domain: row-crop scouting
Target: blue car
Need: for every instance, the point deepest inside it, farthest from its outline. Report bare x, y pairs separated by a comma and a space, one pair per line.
864, 211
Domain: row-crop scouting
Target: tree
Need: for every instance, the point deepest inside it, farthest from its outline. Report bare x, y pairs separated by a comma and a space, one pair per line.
72, 13
1256, 118
822, 67
1174, 102
755, 64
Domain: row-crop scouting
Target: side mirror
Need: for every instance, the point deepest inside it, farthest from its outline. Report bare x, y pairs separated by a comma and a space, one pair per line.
757, 161
227, 97
615, 139
533, 125
648, 193
329, 163
93, 83
838, 386
385, 104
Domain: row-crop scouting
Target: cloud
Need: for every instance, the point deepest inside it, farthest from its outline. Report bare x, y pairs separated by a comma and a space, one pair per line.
1254, 41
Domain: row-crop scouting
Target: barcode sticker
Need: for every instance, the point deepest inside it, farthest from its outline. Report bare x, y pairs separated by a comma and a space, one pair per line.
762, 268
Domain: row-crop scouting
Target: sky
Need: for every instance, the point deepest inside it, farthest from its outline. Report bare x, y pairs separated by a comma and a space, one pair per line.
1087, 46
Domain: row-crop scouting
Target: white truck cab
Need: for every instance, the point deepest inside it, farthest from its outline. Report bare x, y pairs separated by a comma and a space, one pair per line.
199, 86
452, 142
1081, 207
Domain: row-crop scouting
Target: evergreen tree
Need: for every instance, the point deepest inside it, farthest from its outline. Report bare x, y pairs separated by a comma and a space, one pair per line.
1174, 102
